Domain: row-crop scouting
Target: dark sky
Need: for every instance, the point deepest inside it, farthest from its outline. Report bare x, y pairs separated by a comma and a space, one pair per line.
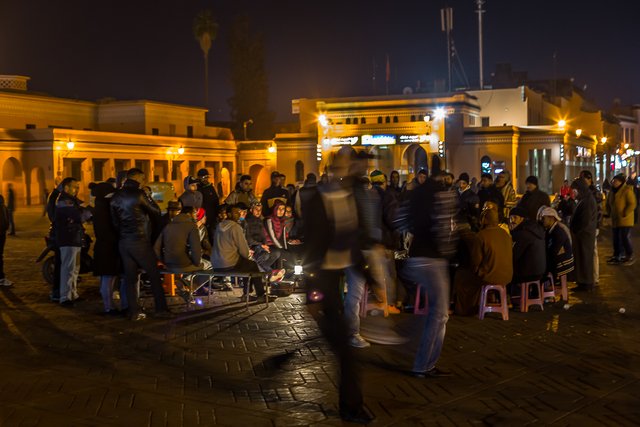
145, 49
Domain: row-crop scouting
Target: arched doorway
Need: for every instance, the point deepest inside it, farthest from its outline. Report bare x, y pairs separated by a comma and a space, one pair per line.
225, 181
299, 171
37, 186
12, 174
415, 158
260, 178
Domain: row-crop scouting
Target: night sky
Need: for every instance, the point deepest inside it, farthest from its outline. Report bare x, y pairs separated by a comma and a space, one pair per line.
141, 49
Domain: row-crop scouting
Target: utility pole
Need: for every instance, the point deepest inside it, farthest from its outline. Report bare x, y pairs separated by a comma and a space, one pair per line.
480, 11
446, 18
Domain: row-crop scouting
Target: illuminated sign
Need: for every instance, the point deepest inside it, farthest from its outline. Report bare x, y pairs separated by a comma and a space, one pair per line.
410, 139
344, 140
378, 139
583, 152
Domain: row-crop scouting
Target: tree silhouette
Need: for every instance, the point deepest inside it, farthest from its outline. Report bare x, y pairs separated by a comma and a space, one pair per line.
205, 30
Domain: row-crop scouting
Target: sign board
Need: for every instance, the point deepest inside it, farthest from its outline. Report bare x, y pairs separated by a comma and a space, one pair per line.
378, 139
343, 140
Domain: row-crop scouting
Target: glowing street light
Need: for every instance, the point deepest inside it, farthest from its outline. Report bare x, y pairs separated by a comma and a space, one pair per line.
562, 123
323, 120
578, 132
427, 118
626, 146
70, 145
181, 150
603, 139
439, 113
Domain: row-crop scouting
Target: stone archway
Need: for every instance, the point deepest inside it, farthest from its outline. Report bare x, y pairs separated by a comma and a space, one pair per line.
415, 158
12, 174
37, 186
260, 178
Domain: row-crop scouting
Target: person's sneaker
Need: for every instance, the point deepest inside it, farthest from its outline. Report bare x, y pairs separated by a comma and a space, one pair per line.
227, 287
277, 275
628, 261
357, 341
613, 260
137, 317
394, 310
6, 282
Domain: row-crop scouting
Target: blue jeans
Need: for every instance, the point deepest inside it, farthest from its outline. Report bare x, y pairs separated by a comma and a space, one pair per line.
69, 270
622, 242
355, 292
432, 274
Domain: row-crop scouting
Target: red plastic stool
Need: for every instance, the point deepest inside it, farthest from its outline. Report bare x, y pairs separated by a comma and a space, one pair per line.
485, 307
416, 305
526, 300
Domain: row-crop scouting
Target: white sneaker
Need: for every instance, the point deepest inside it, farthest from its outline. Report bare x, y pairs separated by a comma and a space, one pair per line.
357, 341
6, 282
277, 275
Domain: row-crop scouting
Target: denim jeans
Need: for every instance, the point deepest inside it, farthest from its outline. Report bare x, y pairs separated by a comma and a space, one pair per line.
432, 274
622, 242
355, 292
69, 270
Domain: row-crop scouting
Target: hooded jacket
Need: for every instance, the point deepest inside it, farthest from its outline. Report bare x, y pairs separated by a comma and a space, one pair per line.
229, 244
621, 205
276, 229
189, 197
68, 221
237, 196
529, 253
178, 246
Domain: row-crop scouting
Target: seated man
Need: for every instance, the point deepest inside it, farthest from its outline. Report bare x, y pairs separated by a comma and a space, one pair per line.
489, 263
231, 251
264, 255
558, 241
178, 247
529, 254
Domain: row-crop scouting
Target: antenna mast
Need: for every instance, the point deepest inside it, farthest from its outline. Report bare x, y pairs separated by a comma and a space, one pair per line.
446, 18
480, 11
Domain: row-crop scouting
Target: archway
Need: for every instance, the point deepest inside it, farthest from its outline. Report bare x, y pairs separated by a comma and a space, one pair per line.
299, 171
260, 177
415, 158
37, 186
225, 181
12, 174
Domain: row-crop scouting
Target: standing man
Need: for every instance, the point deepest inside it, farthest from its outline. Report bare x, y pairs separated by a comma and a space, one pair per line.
4, 226
273, 193
597, 195
583, 231
69, 216
431, 212
210, 200
534, 198
132, 210
11, 207
621, 205
242, 193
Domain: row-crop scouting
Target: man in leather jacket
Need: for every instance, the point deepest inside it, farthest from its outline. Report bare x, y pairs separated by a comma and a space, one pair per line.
132, 212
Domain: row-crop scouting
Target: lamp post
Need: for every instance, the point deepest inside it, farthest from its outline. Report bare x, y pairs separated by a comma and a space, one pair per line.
70, 145
244, 127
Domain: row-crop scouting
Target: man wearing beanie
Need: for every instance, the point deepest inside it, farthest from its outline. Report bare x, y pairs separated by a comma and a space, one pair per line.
621, 205
468, 203
210, 200
534, 198
191, 196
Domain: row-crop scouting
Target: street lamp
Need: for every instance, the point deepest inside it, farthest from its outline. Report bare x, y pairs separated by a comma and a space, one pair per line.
578, 132
562, 123
603, 139
244, 127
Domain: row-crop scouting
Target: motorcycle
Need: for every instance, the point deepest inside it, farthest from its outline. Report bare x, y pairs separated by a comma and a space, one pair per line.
48, 266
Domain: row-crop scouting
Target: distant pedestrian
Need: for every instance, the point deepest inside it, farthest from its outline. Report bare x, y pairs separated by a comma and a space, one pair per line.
584, 224
11, 207
621, 205
4, 226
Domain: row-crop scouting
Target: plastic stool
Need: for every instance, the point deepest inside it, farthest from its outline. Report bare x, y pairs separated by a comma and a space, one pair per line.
564, 291
525, 300
416, 304
551, 293
485, 307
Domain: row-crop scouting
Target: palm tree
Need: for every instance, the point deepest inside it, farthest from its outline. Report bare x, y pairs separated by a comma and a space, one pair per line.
205, 30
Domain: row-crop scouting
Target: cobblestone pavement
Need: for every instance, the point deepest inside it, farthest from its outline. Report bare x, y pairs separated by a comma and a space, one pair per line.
74, 367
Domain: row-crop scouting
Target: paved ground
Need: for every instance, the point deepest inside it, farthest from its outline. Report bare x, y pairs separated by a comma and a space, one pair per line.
73, 367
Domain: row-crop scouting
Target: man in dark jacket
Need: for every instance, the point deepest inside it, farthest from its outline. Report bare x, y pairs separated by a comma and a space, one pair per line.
191, 197
131, 211
468, 204
431, 212
210, 200
488, 192
529, 248
273, 193
533, 199
597, 195
583, 231
69, 216
51, 214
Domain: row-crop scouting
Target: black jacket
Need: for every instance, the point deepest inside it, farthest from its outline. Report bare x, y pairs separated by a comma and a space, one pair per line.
133, 212
254, 230
529, 251
270, 196
585, 215
210, 202
491, 194
68, 221
106, 259
469, 208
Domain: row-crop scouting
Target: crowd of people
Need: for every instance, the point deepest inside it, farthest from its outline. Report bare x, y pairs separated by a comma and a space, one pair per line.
352, 231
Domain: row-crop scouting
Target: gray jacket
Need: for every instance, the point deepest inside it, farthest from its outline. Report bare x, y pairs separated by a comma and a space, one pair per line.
178, 246
229, 244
